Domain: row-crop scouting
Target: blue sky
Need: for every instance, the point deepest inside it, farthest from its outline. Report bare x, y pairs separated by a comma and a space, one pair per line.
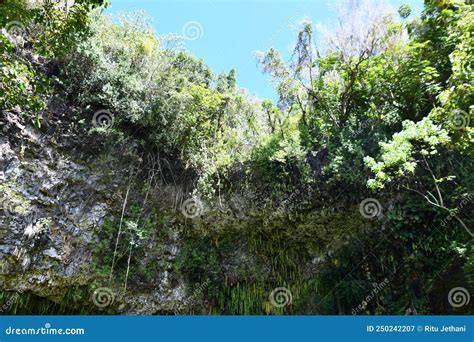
230, 31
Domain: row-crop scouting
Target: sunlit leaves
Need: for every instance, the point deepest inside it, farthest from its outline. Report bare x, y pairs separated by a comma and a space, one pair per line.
399, 157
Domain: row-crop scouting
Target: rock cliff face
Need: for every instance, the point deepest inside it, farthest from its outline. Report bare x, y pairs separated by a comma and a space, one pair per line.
66, 197
55, 196
91, 226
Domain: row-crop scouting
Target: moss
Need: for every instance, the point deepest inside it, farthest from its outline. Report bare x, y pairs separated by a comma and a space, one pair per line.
241, 259
148, 240
246, 259
13, 200
71, 303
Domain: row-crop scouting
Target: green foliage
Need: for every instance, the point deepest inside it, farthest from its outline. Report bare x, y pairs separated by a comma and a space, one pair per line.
456, 110
51, 27
71, 303
161, 97
469, 267
404, 11
398, 157
20, 84
137, 230
410, 104
387, 105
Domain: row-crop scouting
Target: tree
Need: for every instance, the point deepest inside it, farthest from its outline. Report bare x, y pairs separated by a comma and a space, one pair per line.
51, 27
404, 11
